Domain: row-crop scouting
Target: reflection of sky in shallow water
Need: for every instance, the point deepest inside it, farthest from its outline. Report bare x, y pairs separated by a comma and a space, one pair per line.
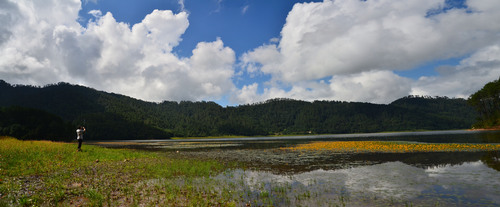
471, 179
467, 184
196, 145
288, 178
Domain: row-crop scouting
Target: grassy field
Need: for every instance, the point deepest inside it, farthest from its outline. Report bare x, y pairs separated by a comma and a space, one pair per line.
43, 173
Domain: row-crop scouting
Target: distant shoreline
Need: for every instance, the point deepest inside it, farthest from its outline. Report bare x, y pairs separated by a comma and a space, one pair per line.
495, 128
323, 136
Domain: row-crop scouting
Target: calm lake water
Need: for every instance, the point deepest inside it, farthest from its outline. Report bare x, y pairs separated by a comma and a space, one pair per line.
288, 178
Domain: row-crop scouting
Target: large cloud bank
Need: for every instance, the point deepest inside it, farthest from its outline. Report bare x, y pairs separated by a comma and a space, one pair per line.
43, 43
340, 50
350, 50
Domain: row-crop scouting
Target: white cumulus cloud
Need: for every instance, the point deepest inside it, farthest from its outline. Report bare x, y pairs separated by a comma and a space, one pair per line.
464, 79
370, 86
43, 43
357, 45
341, 50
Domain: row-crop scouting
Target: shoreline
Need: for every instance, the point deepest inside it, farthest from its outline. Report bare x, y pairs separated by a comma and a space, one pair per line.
495, 128
296, 137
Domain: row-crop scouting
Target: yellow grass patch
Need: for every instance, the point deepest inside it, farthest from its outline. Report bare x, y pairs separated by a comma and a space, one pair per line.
390, 147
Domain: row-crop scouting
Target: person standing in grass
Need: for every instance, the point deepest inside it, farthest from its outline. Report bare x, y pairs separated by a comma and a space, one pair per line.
79, 136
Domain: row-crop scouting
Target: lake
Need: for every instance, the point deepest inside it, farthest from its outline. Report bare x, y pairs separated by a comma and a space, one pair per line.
310, 178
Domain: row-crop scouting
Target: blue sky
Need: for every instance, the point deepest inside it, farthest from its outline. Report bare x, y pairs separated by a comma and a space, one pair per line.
241, 24
246, 51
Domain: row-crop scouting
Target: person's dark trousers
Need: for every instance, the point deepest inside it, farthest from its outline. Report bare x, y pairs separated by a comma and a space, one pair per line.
80, 144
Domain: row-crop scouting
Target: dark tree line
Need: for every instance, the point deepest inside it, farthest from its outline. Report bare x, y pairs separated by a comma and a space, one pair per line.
27, 123
114, 116
487, 102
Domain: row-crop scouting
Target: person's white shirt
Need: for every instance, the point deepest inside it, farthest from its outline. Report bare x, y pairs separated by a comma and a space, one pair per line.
79, 133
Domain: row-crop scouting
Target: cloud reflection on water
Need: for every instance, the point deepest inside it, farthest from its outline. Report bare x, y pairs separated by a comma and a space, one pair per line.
470, 183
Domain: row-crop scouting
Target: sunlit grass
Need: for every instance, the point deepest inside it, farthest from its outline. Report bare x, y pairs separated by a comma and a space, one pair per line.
39, 157
44, 173
390, 147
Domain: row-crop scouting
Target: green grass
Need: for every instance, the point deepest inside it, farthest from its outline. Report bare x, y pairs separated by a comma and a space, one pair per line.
22, 158
34, 173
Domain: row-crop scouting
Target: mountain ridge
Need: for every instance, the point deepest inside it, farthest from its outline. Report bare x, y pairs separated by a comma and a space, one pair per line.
115, 116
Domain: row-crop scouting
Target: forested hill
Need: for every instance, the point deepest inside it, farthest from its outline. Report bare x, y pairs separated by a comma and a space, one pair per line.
487, 103
113, 116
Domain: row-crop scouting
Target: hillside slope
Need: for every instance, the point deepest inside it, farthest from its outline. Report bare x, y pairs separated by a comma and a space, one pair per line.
114, 116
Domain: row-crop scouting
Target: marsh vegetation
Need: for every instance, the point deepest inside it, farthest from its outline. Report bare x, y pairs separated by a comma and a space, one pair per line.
253, 172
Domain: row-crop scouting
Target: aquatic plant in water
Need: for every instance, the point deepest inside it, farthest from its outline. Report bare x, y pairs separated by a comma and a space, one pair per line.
390, 147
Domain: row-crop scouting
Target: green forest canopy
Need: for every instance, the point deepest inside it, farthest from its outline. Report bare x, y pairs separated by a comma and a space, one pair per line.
487, 102
114, 116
